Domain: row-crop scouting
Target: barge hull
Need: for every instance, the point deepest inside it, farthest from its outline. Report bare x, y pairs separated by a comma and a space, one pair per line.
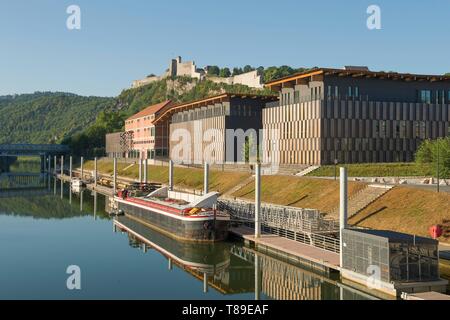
183, 229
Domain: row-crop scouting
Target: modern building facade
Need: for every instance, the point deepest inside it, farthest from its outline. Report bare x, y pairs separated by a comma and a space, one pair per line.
355, 115
198, 129
142, 137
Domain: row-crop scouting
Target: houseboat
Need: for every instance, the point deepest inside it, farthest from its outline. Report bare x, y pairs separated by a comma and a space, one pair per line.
180, 215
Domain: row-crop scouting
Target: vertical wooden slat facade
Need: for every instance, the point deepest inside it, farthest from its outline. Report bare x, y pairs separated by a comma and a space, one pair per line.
195, 129
225, 112
352, 131
299, 130
356, 115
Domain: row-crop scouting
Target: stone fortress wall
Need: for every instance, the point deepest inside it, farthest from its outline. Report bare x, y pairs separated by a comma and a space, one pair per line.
179, 68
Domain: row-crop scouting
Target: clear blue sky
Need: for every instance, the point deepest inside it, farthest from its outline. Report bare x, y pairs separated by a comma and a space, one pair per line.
122, 40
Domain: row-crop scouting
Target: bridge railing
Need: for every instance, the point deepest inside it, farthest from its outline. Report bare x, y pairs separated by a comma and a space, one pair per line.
43, 148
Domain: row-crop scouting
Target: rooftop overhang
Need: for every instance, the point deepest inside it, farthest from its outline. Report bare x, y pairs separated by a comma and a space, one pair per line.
319, 74
291, 81
224, 97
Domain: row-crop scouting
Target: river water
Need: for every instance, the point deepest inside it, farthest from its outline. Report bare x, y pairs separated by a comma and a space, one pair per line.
45, 229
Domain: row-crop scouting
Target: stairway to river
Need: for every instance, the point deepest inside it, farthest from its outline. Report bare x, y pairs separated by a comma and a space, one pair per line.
363, 199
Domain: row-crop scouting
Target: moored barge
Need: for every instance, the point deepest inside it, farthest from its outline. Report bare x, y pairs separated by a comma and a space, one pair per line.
180, 215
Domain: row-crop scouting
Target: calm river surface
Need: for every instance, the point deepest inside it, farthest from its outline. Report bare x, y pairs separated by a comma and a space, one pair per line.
45, 229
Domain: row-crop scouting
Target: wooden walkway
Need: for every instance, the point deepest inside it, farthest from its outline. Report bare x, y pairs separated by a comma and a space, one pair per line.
100, 189
428, 296
107, 191
315, 257
444, 251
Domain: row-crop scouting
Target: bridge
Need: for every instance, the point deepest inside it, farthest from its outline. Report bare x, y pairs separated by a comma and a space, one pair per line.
24, 193
22, 180
23, 185
39, 150
33, 149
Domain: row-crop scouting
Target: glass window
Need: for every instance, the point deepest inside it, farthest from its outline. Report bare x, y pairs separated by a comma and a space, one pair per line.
356, 91
403, 129
382, 129
336, 91
417, 129
376, 128
425, 96
227, 110
349, 91
422, 130
397, 130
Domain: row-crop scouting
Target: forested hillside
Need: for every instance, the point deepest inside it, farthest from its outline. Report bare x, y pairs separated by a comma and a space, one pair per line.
45, 117
180, 89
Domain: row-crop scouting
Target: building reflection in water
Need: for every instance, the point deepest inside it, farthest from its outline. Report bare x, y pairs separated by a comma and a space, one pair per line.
232, 268
208, 262
14, 184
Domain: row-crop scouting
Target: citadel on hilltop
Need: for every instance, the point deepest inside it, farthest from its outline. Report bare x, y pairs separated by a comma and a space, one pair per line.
178, 68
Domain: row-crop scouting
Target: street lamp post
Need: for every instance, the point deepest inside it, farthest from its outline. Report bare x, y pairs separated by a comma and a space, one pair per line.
437, 173
335, 168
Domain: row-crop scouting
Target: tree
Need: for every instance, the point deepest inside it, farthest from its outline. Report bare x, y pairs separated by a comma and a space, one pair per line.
447, 74
237, 71
272, 73
250, 149
248, 68
434, 151
213, 70
225, 73
91, 141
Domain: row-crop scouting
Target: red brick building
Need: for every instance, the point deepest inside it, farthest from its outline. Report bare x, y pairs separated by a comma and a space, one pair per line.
148, 140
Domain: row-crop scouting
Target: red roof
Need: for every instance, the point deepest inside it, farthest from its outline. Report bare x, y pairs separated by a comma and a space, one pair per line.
150, 110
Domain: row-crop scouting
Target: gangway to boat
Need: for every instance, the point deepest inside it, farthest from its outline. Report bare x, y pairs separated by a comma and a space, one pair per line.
290, 218
307, 226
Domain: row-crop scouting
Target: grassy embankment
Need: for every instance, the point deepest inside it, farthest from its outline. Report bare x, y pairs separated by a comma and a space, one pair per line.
402, 169
407, 209
299, 192
191, 178
284, 190
444, 266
